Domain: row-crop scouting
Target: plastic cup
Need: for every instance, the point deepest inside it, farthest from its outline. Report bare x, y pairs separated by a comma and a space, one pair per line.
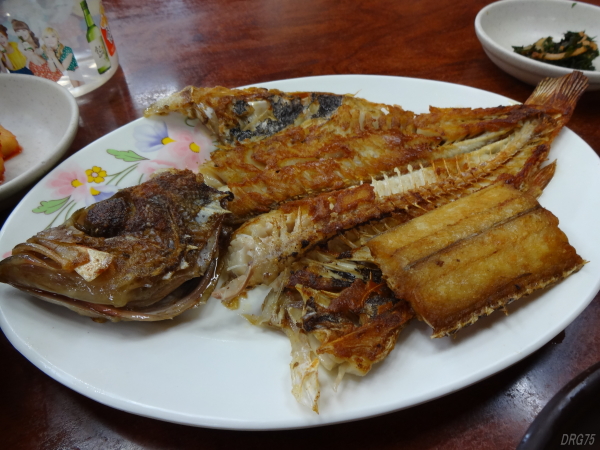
67, 41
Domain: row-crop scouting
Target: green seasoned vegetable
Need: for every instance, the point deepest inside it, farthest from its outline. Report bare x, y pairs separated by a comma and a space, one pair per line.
575, 51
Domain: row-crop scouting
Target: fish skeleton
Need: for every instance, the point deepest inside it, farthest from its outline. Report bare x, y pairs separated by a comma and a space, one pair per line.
147, 253
264, 246
277, 146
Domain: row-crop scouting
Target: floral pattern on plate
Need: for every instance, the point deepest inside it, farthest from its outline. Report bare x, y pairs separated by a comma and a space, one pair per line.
160, 144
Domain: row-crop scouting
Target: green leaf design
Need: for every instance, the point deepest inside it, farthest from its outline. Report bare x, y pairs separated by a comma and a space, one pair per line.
51, 206
127, 156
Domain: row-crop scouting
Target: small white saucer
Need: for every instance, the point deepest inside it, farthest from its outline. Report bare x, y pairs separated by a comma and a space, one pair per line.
43, 116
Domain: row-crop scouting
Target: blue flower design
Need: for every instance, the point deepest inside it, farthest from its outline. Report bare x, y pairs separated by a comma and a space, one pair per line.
98, 193
150, 137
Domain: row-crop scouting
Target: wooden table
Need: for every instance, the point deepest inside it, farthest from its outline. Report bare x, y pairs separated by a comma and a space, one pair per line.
165, 45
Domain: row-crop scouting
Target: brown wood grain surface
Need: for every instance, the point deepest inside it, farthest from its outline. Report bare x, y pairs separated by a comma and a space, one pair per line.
165, 45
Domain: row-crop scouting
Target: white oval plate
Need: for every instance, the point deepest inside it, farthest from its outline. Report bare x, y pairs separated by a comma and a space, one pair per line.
209, 367
43, 117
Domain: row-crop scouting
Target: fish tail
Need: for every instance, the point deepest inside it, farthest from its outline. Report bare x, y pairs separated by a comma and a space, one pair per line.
559, 95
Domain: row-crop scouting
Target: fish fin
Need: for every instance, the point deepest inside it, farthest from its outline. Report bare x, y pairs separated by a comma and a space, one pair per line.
559, 95
536, 183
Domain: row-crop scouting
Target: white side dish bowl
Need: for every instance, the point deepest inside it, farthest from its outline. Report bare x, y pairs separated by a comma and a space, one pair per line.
502, 25
43, 116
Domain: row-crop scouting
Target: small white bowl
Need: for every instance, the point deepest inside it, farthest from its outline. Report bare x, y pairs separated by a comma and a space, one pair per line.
502, 25
43, 116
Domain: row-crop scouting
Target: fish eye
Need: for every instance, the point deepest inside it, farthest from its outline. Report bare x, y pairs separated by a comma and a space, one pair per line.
103, 219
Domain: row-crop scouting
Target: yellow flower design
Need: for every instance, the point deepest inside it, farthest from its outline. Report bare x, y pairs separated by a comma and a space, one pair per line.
95, 174
194, 147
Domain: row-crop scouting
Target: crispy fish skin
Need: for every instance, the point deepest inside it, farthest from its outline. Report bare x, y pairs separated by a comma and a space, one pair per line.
473, 256
121, 257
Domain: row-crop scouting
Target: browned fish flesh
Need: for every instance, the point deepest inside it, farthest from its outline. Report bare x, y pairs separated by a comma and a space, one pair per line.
277, 146
262, 247
147, 253
473, 256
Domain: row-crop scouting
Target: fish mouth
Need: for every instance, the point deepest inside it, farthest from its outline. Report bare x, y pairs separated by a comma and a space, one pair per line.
37, 270
188, 295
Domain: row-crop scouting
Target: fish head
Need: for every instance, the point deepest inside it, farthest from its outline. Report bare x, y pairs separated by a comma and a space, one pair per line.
128, 252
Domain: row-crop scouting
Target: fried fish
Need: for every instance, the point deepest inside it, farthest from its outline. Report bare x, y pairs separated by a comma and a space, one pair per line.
262, 247
305, 300
277, 146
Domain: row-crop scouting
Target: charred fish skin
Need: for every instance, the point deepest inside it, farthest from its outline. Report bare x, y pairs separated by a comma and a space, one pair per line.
127, 253
286, 112
243, 115
264, 246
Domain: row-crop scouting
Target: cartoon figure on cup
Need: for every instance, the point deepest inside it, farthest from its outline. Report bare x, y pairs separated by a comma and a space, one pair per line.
11, 55
30, 47
61, 56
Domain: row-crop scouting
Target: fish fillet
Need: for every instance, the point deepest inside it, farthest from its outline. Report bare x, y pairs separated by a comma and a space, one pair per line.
473, 256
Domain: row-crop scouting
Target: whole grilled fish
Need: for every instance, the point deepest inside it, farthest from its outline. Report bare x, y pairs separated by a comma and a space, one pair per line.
147, 253
262, 247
